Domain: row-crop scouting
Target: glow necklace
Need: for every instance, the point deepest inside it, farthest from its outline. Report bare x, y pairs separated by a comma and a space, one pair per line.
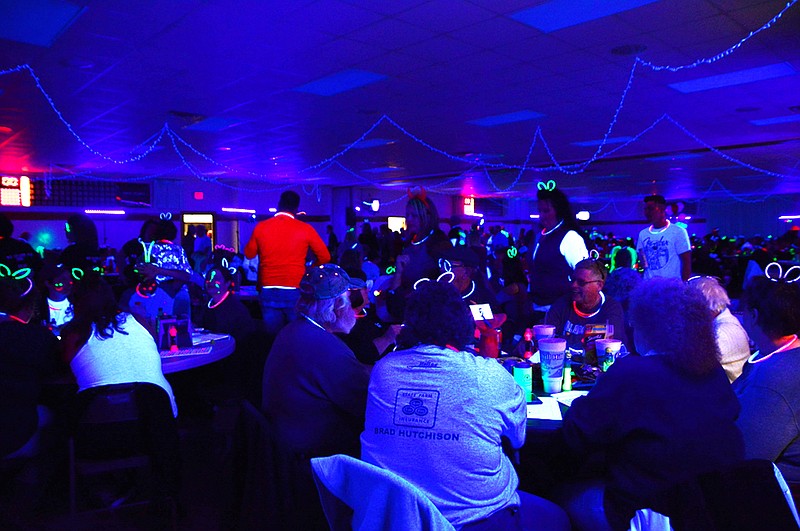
423, 239
148, 250
752, 359
658, 231
212, 306
545, 233
471, 291
588, 315
312, 321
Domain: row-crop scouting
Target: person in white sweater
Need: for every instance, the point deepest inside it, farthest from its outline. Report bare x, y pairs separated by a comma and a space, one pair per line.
732, 340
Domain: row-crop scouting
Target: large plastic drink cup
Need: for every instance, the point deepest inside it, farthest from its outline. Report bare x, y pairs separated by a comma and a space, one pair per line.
542, 331
607, 352
552, 352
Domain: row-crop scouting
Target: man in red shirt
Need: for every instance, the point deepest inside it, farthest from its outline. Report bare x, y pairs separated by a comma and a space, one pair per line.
281, 244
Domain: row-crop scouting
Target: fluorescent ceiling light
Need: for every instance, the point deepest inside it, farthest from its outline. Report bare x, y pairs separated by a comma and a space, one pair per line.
739, 77
610, 140
213, 124
499, 119
372, 142
788, 218
534, 216
777, 120
340, 82
560, 14
583, 215
384, 169
110, 212
238, 210
676, 156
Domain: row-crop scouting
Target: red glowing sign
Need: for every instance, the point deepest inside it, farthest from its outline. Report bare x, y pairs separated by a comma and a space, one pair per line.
15, 191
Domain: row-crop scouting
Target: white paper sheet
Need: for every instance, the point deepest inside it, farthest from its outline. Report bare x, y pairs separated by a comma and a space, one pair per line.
547, 410
566, 397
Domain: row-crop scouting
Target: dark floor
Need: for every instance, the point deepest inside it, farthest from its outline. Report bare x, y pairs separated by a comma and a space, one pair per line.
205, 499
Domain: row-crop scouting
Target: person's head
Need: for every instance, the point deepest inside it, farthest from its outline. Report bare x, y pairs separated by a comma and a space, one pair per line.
57, 279
622, 257
436, 315
671, 319
715, 295
771, 308
17, 297
165, 229
289, 202
81, 229
586, 282
200, 231
148, 229
93, 302
6, 227
655, 209
422, 217
324, 297
462, 262
553, 207
219, 280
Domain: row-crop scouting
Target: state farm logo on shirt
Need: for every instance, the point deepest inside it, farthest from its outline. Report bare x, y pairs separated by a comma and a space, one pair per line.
416, 408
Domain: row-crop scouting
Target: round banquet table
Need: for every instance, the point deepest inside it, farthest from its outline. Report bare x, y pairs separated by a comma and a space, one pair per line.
189, 358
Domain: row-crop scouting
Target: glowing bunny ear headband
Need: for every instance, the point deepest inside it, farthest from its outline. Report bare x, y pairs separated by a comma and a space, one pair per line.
447, 276
19, 274
166, 216
418, 193
774, 272
549, 185
227, 266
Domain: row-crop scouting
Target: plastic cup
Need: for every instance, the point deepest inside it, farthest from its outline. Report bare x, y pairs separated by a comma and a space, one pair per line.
607, 352
552, 352
542, 331
523, 375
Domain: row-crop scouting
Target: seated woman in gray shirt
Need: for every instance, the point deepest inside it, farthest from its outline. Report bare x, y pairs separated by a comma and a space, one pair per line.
436, 415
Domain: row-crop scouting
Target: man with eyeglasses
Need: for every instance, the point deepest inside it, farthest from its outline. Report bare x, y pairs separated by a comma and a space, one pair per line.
586, 307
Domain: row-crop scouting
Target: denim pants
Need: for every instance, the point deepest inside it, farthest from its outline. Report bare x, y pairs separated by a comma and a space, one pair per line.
277, 307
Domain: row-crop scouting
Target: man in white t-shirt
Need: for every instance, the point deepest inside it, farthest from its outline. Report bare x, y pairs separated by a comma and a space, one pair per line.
664, 248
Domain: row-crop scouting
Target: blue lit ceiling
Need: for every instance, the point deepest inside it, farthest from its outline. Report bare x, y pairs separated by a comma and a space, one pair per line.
268, 89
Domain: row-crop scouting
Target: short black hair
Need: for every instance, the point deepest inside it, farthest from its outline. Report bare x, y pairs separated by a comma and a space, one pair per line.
655, 198
437, 315
777, 303
289, 202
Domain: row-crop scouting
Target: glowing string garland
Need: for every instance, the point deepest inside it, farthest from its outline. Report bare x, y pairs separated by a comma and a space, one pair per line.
570, 169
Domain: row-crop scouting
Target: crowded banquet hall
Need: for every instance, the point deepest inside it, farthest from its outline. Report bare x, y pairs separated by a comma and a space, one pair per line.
404, 264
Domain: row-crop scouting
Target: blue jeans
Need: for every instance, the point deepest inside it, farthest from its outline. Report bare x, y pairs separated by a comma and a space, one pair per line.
278, 307
533, 513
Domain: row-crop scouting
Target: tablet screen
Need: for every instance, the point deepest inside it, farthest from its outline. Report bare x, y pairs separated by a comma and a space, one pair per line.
481, 312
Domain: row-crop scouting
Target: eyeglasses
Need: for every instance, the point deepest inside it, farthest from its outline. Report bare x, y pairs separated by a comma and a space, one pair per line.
582, 283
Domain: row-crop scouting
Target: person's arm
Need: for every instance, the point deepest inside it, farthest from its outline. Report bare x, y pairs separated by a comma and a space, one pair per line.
573, 248
318, 247
151, 271
251, 249
686, 265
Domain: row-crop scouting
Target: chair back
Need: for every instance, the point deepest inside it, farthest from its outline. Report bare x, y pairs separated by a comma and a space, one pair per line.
748, 495
360, 496
124, 426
